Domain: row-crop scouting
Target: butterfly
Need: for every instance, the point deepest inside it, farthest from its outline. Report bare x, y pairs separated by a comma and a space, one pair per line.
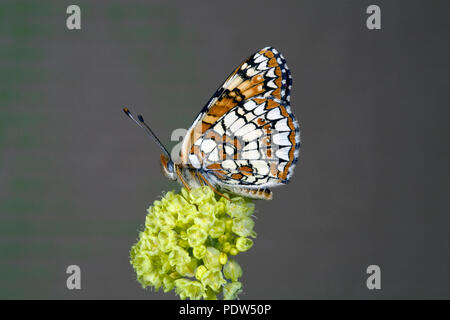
246, 139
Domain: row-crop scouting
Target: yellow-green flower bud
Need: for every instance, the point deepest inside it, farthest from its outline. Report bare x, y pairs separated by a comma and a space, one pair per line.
185, 288
232, 270
183, 243
154, 279
183, 235
200, 195
167, 240
176, 204
231, 290
196, 235
178, 256
243, 244
204, 220
167, 221
240, 208
222, 238
226, 247
168, 283
199, 251
187, 269
221, 208
243, 227
210, 208
200, 271
213, 278
228, 224
217, 229
234, 251
186, 215
150, 244
223, 258
164, 263
211, 258
210, 294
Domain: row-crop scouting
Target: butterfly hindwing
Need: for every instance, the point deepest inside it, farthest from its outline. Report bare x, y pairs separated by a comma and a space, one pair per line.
254, 145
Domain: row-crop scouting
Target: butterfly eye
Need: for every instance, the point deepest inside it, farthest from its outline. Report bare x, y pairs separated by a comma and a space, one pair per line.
170, 166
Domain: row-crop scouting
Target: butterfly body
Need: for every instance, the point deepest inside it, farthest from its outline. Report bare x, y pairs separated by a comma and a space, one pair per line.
246, 138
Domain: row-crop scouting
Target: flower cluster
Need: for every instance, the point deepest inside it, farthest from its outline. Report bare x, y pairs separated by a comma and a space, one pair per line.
188, 242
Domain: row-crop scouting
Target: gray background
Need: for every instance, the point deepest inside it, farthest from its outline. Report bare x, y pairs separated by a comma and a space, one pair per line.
371, 186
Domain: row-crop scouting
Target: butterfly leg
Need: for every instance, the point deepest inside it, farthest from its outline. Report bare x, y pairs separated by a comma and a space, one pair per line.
200, 180
211, 186
177, 170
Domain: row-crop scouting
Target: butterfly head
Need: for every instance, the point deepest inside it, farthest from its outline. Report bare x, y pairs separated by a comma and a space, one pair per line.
168, 167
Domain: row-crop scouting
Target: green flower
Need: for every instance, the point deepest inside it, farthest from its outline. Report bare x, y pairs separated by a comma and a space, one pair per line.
232, 270
243, 244
240, 208
196, 235
211, 258
167, 240
187, 243
185, 288
243, 227
200, 272
187, 269
178, 256
199, 252
231, 290
217, 229
168, 283
213, 278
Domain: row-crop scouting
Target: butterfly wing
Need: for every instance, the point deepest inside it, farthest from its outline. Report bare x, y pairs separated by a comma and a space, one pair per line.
246, 136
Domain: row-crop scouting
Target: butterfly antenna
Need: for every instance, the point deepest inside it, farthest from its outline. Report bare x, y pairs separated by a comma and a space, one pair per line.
147, 129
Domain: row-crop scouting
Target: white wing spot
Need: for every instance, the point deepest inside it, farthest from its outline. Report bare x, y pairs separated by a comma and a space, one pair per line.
255, 134
262, 65
260, 166
282, 139
281, 125
245, 129
259, 59
281, 166
271, 73
208, 145
214, 156
260, 109
251, 146
274, 114
283, 153
271, 84
229, 150
229, 164
194, 161
250, 105
237, 124
251, 72
229, 119
250, 155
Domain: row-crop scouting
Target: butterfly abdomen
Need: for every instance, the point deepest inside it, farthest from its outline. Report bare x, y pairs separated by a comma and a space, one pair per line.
261, 194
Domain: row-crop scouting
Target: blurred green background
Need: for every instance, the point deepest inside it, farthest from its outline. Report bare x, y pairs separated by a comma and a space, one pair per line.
76, 175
